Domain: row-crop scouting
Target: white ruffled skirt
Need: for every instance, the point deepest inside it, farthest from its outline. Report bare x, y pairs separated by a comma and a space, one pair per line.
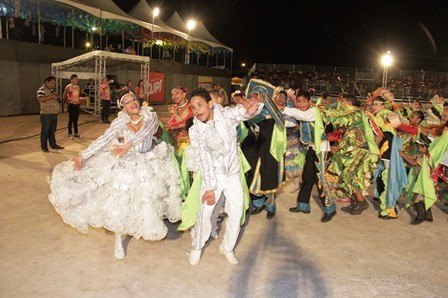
128, 195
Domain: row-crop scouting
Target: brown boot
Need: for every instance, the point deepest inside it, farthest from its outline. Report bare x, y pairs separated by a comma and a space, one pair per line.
350, 207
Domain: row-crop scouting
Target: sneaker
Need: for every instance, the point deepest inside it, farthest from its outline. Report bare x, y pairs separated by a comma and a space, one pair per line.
359, 208
195, 256
230, 256
78, 136
70, 136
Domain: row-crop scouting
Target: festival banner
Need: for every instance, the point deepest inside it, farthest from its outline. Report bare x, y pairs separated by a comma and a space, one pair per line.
205, 82
156, 87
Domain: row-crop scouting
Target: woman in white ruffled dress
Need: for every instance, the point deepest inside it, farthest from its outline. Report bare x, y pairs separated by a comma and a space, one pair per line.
128, 187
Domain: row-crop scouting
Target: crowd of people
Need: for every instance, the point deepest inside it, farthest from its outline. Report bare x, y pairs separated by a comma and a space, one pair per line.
219, 156
332, 80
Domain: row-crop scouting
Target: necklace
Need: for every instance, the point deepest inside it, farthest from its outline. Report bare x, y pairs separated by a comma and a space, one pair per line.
183, 105
136, 122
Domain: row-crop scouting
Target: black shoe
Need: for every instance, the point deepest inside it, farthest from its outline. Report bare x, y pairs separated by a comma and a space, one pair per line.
45, 150
428, 214
257, 210
270, 215
375, 199
421, 214
296, 210
328, 216
107, 121
57, 147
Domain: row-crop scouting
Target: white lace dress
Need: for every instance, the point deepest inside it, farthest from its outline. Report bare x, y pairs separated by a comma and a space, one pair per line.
128, 195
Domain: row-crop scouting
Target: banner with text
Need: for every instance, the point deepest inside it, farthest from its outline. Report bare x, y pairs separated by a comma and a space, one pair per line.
155, 88
205, 82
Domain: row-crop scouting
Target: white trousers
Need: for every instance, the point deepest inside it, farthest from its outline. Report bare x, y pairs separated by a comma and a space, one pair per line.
233, 191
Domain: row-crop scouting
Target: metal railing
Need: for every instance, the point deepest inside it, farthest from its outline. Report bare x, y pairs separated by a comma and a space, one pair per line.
405, 84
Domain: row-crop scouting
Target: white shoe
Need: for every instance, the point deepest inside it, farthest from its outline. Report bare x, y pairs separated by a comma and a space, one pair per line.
214, 234
195, 256
230, 256
119, 250
70, 137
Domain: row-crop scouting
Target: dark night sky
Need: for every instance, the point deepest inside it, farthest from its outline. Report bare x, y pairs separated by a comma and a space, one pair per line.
339, 33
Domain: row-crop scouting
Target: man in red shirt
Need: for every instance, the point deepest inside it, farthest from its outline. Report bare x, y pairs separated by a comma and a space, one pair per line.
71, 95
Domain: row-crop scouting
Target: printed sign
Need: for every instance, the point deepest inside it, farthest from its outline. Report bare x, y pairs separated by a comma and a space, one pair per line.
205, 82
155, 88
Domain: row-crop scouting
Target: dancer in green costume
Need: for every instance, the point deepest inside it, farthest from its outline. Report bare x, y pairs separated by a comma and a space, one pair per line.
356, 155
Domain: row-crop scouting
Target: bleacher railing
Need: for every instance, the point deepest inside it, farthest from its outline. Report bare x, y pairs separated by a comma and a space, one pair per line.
405, 84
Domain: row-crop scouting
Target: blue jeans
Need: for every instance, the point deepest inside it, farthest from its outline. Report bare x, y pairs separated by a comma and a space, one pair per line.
49, 123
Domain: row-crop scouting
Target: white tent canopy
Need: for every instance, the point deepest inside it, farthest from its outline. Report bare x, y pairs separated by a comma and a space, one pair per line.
200, 33
91, 55
107, 9
96, 65
143, 12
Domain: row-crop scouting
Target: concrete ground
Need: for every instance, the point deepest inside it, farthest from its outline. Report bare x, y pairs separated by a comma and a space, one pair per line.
292, 255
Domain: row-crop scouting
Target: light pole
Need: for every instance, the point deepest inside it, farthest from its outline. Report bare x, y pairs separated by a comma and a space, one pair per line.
190, 26
155, 13
386, 61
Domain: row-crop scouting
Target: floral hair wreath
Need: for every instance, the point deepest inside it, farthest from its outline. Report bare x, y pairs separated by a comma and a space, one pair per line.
120, 104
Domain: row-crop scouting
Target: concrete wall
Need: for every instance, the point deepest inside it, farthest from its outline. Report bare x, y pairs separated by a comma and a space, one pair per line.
24, 66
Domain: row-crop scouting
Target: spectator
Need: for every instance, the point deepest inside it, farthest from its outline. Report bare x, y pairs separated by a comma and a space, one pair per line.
130, 50
105, 100
127, 87
71, 96
139, 92
49, 109
90, 90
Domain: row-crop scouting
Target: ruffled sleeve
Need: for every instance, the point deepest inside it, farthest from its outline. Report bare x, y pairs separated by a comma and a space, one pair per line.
239, 113
100, 143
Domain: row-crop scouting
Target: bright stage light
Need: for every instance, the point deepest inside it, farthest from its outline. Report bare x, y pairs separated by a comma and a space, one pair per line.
243, 64
88, 44
156, 12
191, 24
94, 28
387, 60
159, 42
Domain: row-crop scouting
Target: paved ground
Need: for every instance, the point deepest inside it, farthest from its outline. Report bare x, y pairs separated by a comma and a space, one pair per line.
289, 256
